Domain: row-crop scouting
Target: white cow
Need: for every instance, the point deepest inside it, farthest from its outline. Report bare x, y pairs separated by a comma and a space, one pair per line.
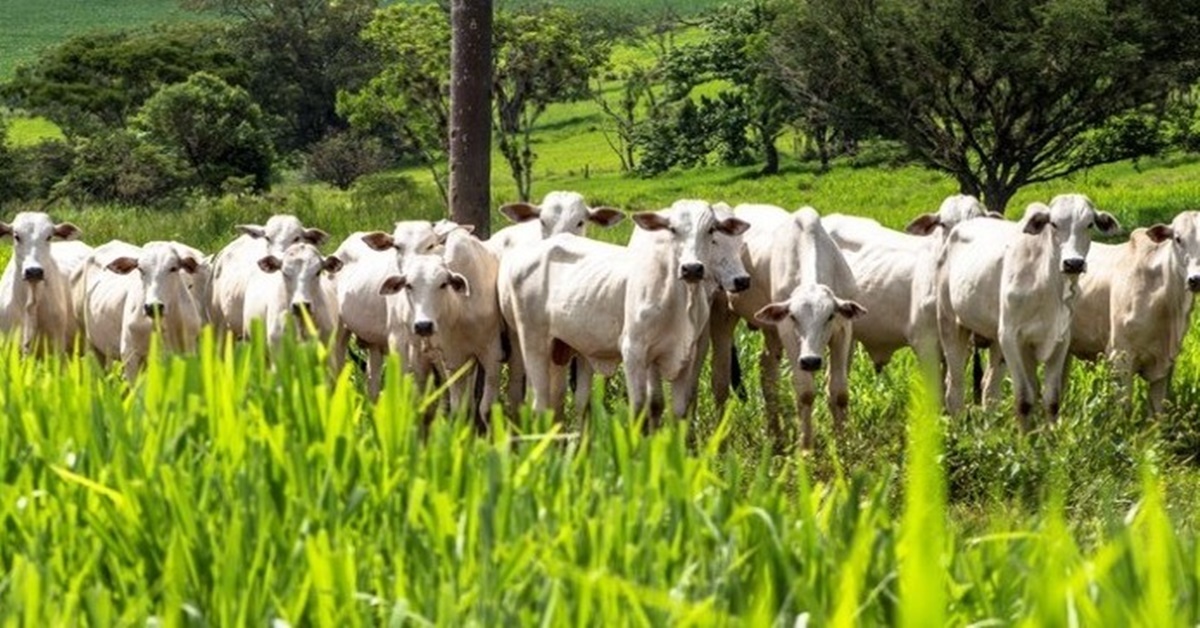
444, 315
1016, 283
609, 304
560, 212
291, 288
236, 265
1135, 302
35, 293
896, 273
800, 292
362, 310
121, 308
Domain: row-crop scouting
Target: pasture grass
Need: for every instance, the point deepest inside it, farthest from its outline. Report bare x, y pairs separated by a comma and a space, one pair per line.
29, 131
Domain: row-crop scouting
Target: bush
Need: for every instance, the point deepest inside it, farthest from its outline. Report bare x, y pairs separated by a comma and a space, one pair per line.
342, 157
38, 168
120, 167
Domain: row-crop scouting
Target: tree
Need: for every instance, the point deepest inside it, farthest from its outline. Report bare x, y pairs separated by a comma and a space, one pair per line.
999, 94
407, 103
215, 128
303, 52
96, 81
543, 56
635, 103
471, 74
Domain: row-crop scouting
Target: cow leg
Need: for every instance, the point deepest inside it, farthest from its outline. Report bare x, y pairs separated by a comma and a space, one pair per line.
1023, 370
537, 368
637, 381
654, 392
583, 387
1157, 391
721, 324
805, 388
337, 352
1056, 378
956, 347
374, 371
841, 348
516, 375
489, 367
993, 378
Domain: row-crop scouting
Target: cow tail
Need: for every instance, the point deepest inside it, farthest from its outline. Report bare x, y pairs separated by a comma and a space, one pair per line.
977, 375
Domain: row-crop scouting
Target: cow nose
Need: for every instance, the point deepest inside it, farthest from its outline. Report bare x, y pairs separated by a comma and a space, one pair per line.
302, 308
423, 328
34, 273
1194, 283
741, 283
810, 363
153, 310
1074, 265
692, 272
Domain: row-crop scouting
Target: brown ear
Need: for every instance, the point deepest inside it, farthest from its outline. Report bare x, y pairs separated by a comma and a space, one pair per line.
460, 285
270, 264
316, 237
254, 231
5, 229
520, 212
332, 264
772, 314
1160, 233
733, 226
850, 309
66, 231
923, 225
392, 285
1035, 222
379, 240
605, 216
652, 221
1107, 223
189, 264
122, 265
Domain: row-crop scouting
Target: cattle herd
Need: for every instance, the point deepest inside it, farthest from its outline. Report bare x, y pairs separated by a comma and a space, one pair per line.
539, 295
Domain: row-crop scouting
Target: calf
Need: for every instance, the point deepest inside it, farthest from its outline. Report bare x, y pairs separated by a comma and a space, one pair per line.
35, 293
296, 288
560, 212
234, 266
1016, 283
444, 315
121, 309
800, 291
610, 304
896, 273
1135, 303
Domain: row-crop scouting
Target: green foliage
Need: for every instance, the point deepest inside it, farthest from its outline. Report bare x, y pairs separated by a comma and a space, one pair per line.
213, 127
37, 168
121, 167
97, 81
342, 157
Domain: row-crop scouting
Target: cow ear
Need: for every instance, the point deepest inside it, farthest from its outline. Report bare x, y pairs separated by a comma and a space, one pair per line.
379, 240
1036, 221
850, 309
332, 264
122, 265
270, 264
460, 285
1107, 223
605, 216
66, 231
189, 264
392, 285
316, 237
733, 226
5, 229
1160, 233
923, 225
254, 231
520, 212
443, 228
652, 221
772, 314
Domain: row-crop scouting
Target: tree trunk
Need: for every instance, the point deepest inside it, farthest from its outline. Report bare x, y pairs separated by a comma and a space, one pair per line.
771, 154
471, 114
996, 195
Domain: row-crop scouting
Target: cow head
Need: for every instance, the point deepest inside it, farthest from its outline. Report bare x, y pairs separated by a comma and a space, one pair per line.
693, 228
955, 209
728, 267
432, 291
160, 266
810, 315
562, 212
282, 231
1071, 217
301, 267
31, 233
415, 237
1184, 235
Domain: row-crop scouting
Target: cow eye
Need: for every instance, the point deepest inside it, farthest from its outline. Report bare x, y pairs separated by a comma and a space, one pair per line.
831, 317
173, 269
580, 224
296, 239
444, 284
429, 247
16, 238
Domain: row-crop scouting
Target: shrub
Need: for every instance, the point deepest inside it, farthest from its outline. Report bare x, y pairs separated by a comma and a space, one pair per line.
342, 157
118, 166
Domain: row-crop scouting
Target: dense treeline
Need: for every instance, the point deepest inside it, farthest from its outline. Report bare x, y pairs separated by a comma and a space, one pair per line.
998, 95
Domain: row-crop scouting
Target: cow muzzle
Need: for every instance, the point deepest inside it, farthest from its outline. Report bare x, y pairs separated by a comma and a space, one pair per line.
302, 309
741, 283
692, 272
1074, 265
811, 363
34, 274
154, 310
423, 328
1193, 283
